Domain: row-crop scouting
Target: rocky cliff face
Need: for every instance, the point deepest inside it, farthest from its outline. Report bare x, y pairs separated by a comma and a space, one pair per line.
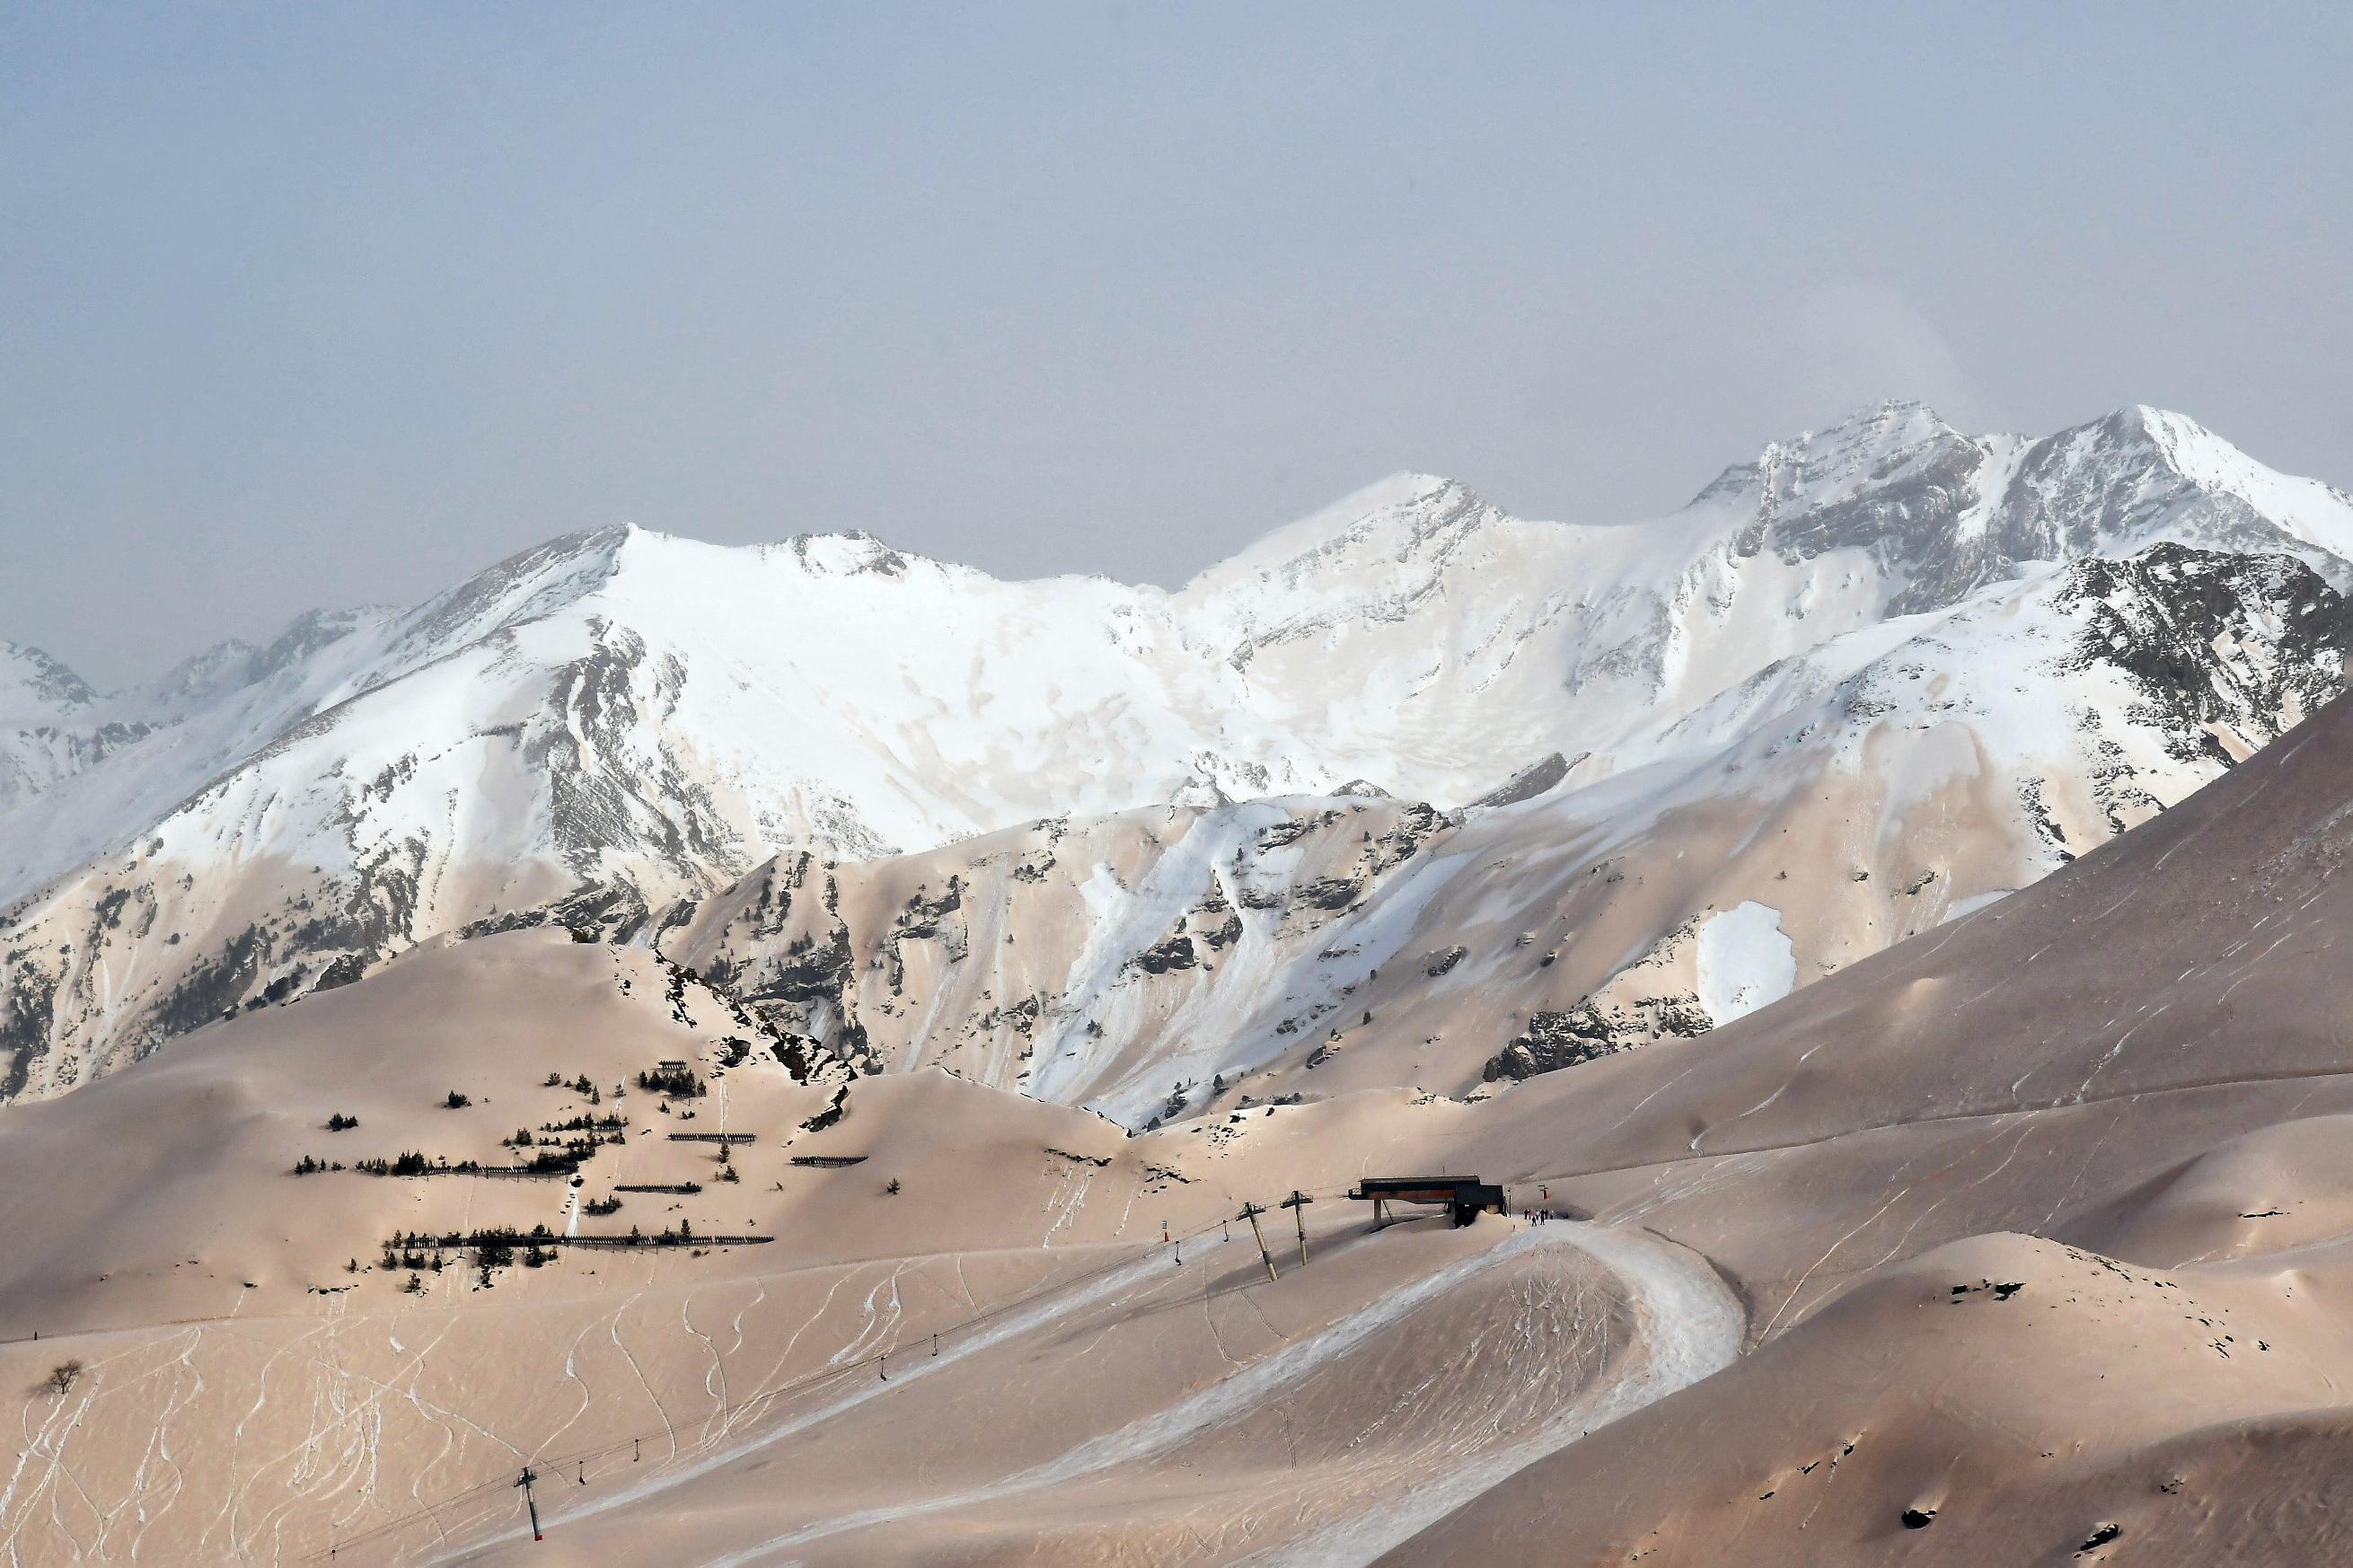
1914, 651
1114, 961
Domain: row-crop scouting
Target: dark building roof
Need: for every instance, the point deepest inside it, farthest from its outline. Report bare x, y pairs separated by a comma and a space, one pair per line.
1465, 1195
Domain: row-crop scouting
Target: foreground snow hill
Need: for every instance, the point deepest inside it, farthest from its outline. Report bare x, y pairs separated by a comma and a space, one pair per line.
1878, 673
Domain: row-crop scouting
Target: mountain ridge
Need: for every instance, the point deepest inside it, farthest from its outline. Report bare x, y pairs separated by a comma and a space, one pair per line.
614, 721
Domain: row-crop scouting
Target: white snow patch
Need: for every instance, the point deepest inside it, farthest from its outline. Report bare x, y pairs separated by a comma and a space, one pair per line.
1745, 961
1975, 902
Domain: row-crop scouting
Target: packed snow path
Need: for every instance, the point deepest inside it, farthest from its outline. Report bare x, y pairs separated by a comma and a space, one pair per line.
320, 1410
1011, 1326
1690, 1325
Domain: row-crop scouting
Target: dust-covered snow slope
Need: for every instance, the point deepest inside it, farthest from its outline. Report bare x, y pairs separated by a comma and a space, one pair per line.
618, 721
1160, 962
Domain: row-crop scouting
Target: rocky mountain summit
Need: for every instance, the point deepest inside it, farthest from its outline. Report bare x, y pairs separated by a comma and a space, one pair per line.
1155, 850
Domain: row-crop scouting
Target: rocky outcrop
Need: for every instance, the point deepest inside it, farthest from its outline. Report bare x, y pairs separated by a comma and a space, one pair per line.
1586, 1032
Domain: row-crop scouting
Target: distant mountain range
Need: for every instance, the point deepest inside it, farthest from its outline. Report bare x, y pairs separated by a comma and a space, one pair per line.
1411, 791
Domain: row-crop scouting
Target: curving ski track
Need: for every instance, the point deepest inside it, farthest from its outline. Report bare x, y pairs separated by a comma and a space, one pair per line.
1055, 1306
1691, 1326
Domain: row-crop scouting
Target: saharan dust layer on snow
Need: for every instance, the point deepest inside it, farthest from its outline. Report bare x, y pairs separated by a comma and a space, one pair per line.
1876, 673
805, 1049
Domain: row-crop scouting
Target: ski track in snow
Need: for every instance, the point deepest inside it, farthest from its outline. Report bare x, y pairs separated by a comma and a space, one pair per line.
334, 1451
1012, 1325
1692, 1327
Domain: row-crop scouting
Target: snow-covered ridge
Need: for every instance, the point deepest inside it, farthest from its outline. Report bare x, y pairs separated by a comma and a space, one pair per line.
1157, 961
616, 719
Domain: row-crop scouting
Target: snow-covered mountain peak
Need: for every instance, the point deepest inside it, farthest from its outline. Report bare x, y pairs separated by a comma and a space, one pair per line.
1868, 449
524, 586
2320, 513
200, 679
1402, 521
310, 635
36, 688
853, 553
646, 564
616, 719
1939, 514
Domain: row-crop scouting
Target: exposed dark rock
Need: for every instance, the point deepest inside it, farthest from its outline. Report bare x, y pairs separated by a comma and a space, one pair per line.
1330, 893
1528, 782
1170, 953
831, 1114
1586, 1032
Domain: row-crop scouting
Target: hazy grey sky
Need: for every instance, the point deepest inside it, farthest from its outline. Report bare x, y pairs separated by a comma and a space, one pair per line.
305, 305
